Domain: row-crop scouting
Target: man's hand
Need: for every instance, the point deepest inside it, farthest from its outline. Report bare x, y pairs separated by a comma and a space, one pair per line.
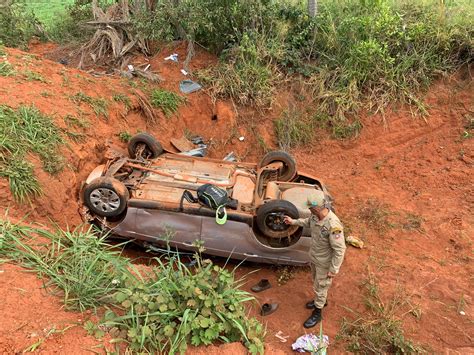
288, 220
331, 275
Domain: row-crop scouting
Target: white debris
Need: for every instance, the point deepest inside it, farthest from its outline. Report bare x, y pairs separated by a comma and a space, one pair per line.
241, 138
184, 72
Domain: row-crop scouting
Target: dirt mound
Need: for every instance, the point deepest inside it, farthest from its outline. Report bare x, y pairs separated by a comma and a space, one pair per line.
417, 173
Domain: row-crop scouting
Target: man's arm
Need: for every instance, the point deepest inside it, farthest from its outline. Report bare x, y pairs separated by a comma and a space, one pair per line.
338, 244
301, 222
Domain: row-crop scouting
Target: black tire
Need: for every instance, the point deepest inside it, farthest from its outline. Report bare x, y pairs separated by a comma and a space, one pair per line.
152, 150
289, 164
106, 197
270, 218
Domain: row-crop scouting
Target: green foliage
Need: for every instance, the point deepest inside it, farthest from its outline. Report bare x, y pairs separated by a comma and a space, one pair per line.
175, 305
378, 330
17, 25
23, 131
6, 69
167, 101
33, 76
163, 311
292, 129
124, 136
98, 104
123, 98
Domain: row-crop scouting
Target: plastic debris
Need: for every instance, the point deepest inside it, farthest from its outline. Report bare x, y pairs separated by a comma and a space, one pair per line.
311, 343
130, 68
241, 138
173, 57
462, 313
230, 157
354, 241
197, 152
283, 338
189, 86
184, 72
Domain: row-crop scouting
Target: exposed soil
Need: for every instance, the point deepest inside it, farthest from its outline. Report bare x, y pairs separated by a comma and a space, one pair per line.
420, 169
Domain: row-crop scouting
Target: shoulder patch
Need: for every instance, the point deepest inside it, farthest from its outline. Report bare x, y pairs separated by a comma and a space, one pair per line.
336, 230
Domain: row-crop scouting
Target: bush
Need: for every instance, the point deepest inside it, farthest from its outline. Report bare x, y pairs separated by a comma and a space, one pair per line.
167, 101
17, 25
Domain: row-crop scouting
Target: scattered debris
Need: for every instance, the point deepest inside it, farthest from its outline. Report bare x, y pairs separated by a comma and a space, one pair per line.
354, 241
189, 86
311, 343
230, 157
182, 144
184, 72
281, 337
145, 106
241, 138
173, 57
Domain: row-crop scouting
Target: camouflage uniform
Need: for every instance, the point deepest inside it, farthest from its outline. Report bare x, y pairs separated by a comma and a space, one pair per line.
326, 251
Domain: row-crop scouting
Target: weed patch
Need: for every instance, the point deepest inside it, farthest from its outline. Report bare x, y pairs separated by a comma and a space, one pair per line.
33, 76
99, 105
376, 214
379, 329
124, 136
168, 102
292, 129
6, 69
124, 99
162, 311
23, 131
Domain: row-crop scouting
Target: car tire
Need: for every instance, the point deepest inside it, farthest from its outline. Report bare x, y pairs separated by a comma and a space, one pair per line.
153, 148
289, 164
270, 218
106, 197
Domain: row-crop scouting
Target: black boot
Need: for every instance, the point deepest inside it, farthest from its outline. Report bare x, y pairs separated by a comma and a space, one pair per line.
310, 304
314, 319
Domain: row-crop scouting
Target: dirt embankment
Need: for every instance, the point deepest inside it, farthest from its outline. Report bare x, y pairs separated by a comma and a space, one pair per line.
419, 172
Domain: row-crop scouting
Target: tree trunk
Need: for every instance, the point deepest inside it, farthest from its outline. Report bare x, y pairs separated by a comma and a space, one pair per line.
312, 8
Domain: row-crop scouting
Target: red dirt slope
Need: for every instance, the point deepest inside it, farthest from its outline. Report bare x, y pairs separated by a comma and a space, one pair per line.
418, 169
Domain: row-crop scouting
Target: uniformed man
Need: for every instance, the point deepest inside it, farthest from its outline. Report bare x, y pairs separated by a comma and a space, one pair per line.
326, 251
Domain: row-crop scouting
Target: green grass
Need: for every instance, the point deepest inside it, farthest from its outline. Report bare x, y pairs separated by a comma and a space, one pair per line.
124, 99
124, 136
168, 102
98, 104
6, 69
157, 311
33, 76
292, 129
73, 121
23, 131
379, 330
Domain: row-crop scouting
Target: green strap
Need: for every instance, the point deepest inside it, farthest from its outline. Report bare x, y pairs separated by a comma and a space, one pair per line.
220, 220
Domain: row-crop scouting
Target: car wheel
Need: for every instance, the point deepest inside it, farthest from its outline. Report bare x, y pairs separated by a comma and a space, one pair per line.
106, 197
144, 145
270, 218
288, 171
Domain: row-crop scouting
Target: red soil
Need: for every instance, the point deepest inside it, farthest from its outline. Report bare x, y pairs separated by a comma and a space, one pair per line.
412, 166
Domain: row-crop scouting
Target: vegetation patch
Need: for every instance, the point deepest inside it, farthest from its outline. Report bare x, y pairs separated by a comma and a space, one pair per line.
376, 214
124, 136
292, 129
34, 76
98, 104
161, 310
6, 69
124, 99
379, 330
23, 131
168, 102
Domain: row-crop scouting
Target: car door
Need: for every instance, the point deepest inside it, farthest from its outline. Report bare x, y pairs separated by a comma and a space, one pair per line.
178, 230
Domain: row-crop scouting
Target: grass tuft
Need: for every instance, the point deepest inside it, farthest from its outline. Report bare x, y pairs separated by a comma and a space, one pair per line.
33, 76
292, 129
6, 69
99, 105
124, 99
23, 131
379, 329
168, 102
124, 136
376, 214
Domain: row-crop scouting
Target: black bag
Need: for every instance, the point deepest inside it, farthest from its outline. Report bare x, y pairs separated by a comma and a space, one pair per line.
212, 196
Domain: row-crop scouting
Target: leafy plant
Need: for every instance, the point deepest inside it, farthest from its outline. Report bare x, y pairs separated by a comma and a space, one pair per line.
33, 76
17, 25
167, 101
124, 136
123, 98
98, 104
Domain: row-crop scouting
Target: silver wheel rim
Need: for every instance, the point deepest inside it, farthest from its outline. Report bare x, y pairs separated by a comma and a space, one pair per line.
105, 200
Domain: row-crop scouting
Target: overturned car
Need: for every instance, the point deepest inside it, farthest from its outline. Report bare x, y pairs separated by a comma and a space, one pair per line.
143, 197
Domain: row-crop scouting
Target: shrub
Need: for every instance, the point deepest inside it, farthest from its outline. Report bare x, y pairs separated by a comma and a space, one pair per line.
17, 25
293, 130
167, 101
